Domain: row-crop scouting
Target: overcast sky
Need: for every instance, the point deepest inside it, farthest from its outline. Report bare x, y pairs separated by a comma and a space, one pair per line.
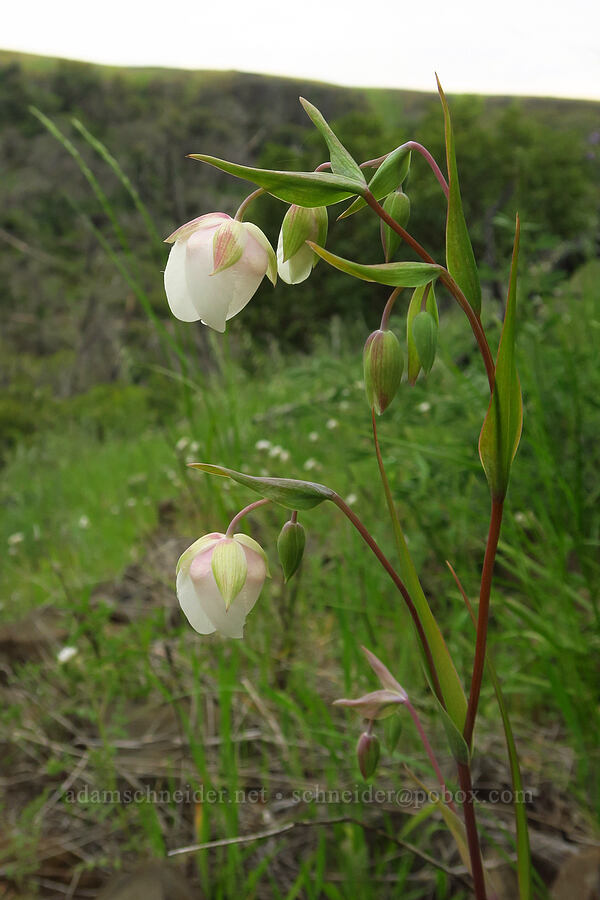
509, 47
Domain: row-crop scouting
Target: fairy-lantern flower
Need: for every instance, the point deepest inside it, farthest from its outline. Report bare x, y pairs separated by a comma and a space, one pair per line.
215, 267
295, 259
219, 579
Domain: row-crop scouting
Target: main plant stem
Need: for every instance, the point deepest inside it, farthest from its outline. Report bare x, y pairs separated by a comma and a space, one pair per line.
483, 615
464, 778
374, 546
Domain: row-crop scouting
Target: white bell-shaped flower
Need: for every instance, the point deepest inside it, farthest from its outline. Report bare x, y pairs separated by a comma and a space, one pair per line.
219, 580
215, 267
295, 259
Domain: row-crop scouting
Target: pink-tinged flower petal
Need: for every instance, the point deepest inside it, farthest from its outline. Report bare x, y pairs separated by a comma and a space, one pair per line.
176, 287
210, 220
376, 705
383, 673
191, 604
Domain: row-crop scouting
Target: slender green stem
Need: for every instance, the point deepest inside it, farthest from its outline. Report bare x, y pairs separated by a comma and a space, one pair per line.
374, 546
385, 317
483, 615
466, 786
244, 512
246, 203
447, 279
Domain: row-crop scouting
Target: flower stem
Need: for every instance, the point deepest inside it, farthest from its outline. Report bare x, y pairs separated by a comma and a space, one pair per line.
374, 546
483, 615
385, 317
409, 145
446, 279
244, 512
447, 797
466, 786
239, 216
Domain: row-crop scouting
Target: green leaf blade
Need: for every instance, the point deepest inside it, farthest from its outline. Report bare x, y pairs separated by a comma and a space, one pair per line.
390, 174
460, 259
302, 188
397, 274
287, 492
501, 432
342, 162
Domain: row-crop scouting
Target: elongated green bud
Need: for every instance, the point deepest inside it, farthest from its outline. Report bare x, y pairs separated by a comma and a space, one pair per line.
396, 205
290, 546
367, 751
383, 363
425, 329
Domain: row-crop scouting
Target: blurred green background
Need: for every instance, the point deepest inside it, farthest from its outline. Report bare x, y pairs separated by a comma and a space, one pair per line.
105, 398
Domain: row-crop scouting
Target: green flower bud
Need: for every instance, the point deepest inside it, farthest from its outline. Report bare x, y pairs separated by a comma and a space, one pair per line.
367, 751
383, 362
396, 205
425, 329
290, 546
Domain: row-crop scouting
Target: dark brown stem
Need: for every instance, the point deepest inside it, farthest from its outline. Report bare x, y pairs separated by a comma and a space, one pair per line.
464, 778
374, 546
447, 279
483, 615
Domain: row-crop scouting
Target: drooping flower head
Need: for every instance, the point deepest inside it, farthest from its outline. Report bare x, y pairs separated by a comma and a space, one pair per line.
219, 579
215, 267
295, 259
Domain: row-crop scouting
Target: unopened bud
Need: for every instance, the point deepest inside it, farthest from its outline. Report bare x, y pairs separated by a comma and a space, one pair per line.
383, 363
290, 546
425, 329
295, 259
396, 205
367, 751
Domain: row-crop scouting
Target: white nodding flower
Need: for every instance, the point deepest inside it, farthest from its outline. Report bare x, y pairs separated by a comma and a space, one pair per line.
65, 654
215, 267
295, 259
219, 580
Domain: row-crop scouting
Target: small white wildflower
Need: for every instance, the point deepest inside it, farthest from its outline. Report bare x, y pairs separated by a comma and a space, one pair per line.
331, 424
84, 522
313, 436
263, 445
344, 405
17, 538
181, 444
275, 451
424, 407
131, 501
194, 446
311, 464
65, 654
359, 385
351, 499
284, 455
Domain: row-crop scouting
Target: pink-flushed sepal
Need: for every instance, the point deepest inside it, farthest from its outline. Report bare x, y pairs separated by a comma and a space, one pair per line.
228, 245
210, 220
387, 680
376, 705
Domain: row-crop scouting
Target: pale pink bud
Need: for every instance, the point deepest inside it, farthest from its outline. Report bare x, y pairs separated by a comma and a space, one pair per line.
215, 267
219, 580
367, 751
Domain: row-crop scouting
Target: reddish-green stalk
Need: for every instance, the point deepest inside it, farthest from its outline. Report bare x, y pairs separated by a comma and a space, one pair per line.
244, 512
466, 786
374, 546
483, 615
387, 311
239, 216
409, 145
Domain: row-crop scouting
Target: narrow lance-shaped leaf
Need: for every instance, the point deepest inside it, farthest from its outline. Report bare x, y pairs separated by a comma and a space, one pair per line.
287, 492
342, 162
460, 258
503, 423
303, 188
389, 176
396, 274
